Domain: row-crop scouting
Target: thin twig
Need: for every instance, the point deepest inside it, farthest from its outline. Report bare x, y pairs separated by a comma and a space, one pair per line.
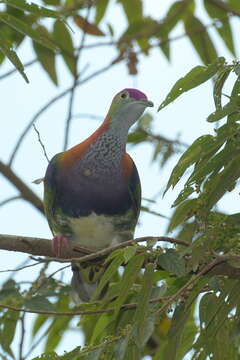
74, 86
41, 143
20, 268
81, 312
12, 198
89, 116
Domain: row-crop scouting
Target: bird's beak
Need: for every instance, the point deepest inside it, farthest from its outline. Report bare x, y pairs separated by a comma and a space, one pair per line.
146, 102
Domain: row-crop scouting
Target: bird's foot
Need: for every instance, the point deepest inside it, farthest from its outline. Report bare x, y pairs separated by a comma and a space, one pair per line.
59, 244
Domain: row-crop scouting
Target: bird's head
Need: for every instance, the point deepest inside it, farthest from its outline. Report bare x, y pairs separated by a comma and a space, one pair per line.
126, 107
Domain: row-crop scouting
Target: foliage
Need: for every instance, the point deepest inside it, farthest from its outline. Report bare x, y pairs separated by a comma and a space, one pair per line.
155, 293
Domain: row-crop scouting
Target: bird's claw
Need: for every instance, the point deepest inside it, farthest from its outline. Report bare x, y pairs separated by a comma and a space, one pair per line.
59, 244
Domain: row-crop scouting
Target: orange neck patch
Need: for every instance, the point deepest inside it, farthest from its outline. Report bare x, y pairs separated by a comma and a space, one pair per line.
76, 152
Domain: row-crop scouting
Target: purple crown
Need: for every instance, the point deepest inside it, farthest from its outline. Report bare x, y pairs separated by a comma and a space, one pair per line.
135, 94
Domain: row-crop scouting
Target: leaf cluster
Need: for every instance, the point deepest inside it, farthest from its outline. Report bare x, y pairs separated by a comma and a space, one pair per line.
48, 28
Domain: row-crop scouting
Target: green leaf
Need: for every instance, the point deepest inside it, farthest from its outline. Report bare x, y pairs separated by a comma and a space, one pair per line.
130, 273
218, 185
120, 348
133, 9
101, 7
200, 39
212, 165
142, 312
129, 252
234, 4
52, 2
175, 334
25, 29
9, 289
39, 321
47, 356
63, 39
216, 12
194, 153
235, 94
171, 261
46, 57
103, 321
231, 107
176, 12
32, 8
9, 323
59, 326
183, 212
108, 274
94, 354
207, 307
137, 137
194, 78
6, 49
39, 303
218, 86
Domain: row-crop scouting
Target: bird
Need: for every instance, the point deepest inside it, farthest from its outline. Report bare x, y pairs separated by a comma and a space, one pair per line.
92, 191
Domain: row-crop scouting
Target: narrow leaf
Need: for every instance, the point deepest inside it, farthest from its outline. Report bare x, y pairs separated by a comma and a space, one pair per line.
9, 323
194, 153
194, 78
59, 325
133, 9
172, 262
217, 186
39, 321
25, 29
218, 86
200, 39
217, 12
108, 274
176, 13
130, 273
63, 39
46, 57
183, 212
32, 8
142, 310
101, 7
39, 303
231, 107
103, 321
6, 49
86, 26
175, 333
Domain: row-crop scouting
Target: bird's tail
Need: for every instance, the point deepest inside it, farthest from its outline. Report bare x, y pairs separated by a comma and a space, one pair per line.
85, 281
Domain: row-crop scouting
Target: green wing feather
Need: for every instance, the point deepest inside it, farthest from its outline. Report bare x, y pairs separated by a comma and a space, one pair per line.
53, 214
135, 193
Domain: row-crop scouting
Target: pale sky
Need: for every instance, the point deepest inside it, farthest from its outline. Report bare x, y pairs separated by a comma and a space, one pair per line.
20, 101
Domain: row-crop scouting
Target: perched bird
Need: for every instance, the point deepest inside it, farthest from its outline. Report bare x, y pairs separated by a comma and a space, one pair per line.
92, 192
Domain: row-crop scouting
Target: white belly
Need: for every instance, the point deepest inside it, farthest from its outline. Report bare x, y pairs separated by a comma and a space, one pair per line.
94, 231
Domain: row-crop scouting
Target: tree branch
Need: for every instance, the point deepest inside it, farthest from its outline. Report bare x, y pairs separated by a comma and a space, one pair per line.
43, 247
26, 193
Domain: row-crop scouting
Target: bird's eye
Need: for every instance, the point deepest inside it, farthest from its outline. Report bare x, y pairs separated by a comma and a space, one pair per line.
124, 95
